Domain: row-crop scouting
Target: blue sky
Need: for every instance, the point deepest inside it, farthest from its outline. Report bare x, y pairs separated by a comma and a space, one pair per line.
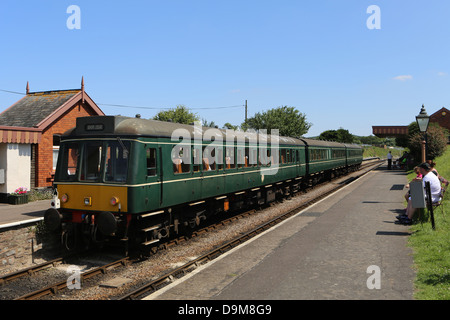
318, 56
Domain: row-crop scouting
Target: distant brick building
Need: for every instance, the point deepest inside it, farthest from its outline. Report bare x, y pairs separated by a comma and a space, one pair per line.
34, 126
441, 117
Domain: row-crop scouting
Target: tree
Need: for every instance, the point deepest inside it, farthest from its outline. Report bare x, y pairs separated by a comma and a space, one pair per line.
371, 140
211, 124
180, 114
329, 135
403, 141
340, 135
289, 121
436, 142
230, 126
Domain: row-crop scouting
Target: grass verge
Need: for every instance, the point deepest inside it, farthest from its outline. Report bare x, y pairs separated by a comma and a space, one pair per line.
432, 247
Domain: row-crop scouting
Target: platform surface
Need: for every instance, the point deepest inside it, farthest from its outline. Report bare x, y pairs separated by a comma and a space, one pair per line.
345, 247
12, 215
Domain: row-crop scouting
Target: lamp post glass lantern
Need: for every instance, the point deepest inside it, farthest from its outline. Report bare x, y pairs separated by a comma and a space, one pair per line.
423, 119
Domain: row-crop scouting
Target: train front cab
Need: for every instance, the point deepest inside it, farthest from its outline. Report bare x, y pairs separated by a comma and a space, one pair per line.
91, 189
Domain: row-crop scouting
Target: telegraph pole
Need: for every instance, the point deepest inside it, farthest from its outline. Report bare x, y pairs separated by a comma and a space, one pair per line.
245, 110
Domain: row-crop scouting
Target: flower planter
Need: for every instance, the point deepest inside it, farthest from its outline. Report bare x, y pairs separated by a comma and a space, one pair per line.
18, 198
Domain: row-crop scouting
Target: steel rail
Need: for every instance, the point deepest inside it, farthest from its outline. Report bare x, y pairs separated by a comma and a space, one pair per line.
30, 270
54, 288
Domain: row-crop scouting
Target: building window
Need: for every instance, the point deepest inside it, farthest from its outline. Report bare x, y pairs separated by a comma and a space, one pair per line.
55, 156
56, 143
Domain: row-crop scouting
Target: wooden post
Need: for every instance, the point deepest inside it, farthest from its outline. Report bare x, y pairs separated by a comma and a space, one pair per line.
423, 151
245, 110
430, 203
82, 89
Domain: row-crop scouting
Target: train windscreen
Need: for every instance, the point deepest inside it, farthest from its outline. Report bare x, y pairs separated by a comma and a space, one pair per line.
93, 161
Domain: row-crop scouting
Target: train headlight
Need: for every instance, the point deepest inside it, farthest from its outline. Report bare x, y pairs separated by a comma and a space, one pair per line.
88, 201
114, 201
64, 198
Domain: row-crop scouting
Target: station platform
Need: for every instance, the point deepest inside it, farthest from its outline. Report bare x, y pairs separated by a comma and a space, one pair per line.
344, 247
16, 215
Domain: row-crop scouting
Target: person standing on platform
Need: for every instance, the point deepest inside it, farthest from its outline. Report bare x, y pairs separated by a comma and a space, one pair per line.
389, 157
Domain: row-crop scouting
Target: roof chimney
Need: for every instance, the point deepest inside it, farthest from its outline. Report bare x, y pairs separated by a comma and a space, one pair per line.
28, 88
82, 89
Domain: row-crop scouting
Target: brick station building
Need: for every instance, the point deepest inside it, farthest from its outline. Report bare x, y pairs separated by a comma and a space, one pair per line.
441, 117
30, 132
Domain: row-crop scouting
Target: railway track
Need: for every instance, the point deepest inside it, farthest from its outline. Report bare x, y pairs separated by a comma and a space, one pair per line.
29, 271
179, 271
56, 287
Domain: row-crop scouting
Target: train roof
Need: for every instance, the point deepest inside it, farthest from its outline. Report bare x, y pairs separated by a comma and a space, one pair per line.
126, 126
119, 125
352, 146
324, 143
314, 142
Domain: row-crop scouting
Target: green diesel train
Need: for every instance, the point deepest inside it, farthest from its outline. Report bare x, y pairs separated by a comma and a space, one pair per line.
139, 181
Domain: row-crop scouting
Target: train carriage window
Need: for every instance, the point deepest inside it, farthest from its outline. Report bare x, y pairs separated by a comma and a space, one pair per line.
219, 158
185, 167
91, 162
240, 157
69, 163
181, 159
209, 158
283, 158
338, 153
116, 162
253, 157
213, 158
230, 161
262, 156
247, 157
151, 162
196, 158
318, 154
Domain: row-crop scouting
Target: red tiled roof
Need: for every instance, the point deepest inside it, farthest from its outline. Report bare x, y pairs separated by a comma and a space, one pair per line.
35, 107
19, 135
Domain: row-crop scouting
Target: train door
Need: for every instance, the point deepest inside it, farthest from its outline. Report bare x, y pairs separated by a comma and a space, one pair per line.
212, 171
154, 177
196, 184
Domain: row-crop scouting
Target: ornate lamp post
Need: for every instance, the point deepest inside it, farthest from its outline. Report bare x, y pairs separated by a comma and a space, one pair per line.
423, 119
